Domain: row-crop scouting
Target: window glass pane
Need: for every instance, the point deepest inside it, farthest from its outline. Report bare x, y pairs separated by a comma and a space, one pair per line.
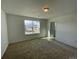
31, 27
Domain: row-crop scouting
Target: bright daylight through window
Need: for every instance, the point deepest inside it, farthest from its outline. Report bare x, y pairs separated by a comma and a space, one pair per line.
32, 27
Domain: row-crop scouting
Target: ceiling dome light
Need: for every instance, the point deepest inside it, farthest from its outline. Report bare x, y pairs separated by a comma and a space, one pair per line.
45, 8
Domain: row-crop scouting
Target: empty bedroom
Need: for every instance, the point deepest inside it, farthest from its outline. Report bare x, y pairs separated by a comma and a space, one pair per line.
38, 29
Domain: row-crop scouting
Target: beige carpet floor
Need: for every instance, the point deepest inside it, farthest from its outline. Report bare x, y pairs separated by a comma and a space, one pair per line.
39, 49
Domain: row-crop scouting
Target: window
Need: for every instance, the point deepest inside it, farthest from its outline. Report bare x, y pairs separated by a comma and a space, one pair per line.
32, 27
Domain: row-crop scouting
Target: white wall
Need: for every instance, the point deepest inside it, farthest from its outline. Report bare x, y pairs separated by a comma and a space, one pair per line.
16, 28
4, 35
66, 29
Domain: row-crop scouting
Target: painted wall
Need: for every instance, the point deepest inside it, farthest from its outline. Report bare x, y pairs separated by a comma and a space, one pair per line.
66, 29
4, 34
16, 28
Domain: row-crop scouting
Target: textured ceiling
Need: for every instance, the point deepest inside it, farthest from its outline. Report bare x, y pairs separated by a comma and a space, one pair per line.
33, 8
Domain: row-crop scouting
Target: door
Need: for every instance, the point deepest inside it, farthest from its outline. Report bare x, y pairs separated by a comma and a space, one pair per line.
52, 29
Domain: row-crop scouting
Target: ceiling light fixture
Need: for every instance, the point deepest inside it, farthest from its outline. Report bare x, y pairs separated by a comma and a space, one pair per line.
45, 8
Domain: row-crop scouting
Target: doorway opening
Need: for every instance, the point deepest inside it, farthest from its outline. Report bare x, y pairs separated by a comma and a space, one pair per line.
52, 29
